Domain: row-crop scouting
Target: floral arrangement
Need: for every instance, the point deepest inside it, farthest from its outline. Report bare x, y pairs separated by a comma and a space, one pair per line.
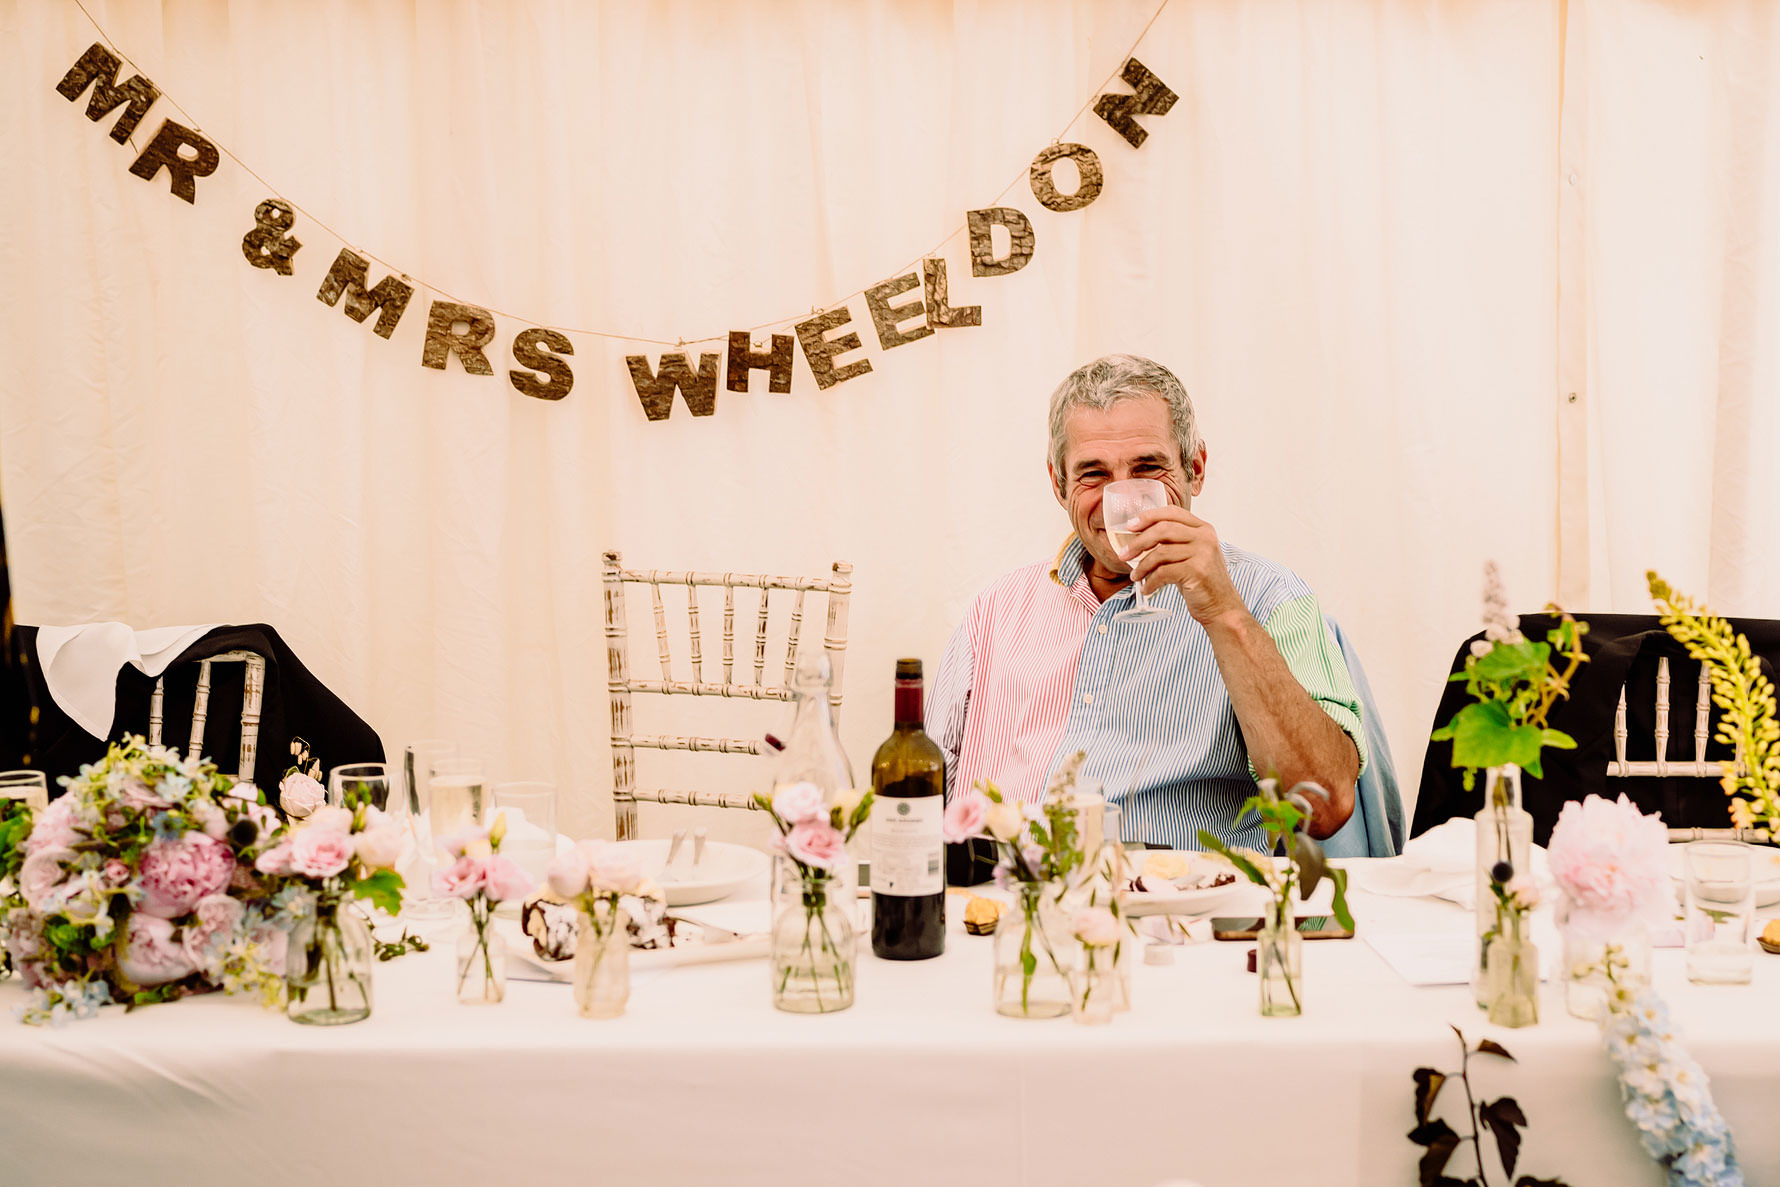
1286, 820
141, 884
1667, 1095
482, 878
1033, 842
1514, 682
1745, 695
813, 834
1503, 1118
596, 877
335, 852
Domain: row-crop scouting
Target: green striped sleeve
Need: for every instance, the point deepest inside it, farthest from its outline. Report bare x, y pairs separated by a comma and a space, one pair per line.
1297, 629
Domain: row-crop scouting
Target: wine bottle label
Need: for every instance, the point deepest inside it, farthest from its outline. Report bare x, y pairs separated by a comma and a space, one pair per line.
907, 849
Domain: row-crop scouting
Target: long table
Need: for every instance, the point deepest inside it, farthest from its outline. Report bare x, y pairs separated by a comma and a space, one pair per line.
701, 1081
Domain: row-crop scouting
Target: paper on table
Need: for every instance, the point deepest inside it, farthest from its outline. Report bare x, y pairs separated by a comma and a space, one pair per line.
1441, 863
1437, 957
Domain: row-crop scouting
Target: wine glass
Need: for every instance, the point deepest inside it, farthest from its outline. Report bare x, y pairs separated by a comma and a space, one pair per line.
1120, 503
30, 786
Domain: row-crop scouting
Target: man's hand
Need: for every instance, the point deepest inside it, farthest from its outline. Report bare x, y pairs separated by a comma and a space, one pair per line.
1180, 549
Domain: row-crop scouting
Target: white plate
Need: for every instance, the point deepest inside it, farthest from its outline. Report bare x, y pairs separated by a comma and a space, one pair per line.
1767, 873
725, 869
1200, 901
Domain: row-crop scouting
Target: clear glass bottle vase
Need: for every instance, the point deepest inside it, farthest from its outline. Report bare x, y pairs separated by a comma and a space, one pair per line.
1511, 974
1035, 955
481, 966
1504, 837
602, 962
1279, 961
327, 972
813, 942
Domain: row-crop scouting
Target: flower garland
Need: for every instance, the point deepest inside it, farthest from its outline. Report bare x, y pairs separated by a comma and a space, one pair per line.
1666, 1093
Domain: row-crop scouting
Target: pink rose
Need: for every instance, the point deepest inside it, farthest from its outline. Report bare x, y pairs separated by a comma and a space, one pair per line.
330, 820
134, 793
379, 847
568, 873
506, 881
1095, 927
176, 874
53, 828
612, 869
320, 852
116, 873
211, 819
218, 917
41, 874
300, 796
275, 861
816, 843
151, 956
465, 878
797, 802
965, 817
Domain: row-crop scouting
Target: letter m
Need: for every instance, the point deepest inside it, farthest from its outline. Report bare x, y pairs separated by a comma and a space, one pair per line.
98, 68
349, 277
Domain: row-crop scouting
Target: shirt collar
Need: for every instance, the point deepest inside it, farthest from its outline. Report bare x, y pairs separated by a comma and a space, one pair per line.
1068, 567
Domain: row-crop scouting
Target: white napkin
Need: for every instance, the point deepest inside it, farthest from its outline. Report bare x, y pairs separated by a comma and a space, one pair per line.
1441, 863
80, 664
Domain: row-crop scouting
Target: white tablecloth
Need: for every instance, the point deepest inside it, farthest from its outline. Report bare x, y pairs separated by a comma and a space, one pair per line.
701, 1081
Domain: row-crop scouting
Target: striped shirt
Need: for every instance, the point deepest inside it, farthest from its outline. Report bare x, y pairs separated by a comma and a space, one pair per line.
1038, 670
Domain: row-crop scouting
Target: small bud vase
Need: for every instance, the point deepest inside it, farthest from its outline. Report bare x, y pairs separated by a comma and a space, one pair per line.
602, 962
481, 967
1594, 967
813, 942
1511, 974
1035, 956
1504, 837
1278, 961
327, 977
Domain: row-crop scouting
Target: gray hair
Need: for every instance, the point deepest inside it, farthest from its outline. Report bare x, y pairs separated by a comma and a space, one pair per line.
1114, 377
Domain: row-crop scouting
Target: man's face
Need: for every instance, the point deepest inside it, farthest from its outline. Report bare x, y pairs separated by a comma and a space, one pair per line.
1132, 439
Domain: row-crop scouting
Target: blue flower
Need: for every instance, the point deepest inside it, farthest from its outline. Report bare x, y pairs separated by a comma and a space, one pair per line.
167, 827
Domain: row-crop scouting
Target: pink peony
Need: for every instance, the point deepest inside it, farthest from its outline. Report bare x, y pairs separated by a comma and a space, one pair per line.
275, 861
300, 796
320, 853
176, 874
218, 917
965, 817
568, 873
797, 802
53, 828
464, 878
1612, 864
41, 874
150, 955
506, 881
816, 843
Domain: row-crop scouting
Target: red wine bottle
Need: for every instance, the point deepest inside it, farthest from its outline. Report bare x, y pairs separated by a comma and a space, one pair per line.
908, 882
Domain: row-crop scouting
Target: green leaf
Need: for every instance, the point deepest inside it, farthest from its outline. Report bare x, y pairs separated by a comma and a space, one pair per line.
1510, 663
1483, 736
1311, 865
1441, 1141
1427, 1086
1557, 739
1505, 1120
1343, 916
384, 889
1491, 1047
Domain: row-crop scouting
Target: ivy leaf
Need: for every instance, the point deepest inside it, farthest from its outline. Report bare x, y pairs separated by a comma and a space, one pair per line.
1491, 1047
1441, 1141
384, 889
1505, 1120
1427, 1086
1483, 735
1510, 663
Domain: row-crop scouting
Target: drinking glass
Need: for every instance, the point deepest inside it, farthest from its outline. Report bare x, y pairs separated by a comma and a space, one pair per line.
417, 770
458, 790
359, 783
1120, 503
1720, 913
530, 809
30, 786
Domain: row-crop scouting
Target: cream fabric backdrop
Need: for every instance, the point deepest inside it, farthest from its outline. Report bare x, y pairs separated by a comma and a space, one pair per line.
1351, 237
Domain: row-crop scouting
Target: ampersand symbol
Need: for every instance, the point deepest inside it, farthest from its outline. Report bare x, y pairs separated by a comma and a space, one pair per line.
266, 246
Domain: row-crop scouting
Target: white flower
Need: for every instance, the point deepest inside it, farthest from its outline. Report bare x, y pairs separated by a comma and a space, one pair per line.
1096, 927
300, 796
1004, 821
